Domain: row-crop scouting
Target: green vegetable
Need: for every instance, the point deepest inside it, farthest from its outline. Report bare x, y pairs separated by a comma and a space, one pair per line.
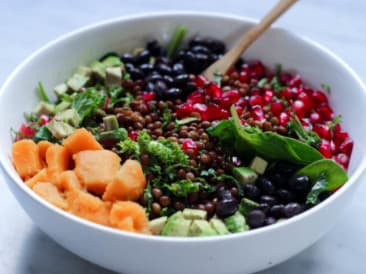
245, 175
110, 122
209, 172
86, 103
326, 87
309, 137
42, 93
182, 188
118, 95
130, 148
262, 82
325, 175
236, 223
247, 205
148, 198
276, 84
114, 135
238, 184
217, 78
44, 134
167, 117
185, 121
338, 119
176, 41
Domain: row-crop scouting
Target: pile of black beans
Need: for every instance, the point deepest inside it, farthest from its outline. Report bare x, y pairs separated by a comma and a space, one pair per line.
172, 78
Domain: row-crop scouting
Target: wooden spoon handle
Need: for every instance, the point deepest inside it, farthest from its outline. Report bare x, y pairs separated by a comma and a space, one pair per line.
223, 64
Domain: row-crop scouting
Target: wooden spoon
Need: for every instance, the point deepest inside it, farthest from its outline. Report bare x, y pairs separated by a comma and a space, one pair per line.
222, 65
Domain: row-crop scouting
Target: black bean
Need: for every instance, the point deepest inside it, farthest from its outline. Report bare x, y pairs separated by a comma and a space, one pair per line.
149, 86
215, 45
136, 73
201, 49
128, 58
285, 196
279, 179
286, 167
256, 218
264, 207
164, 69
196, 41
153, 77
146, 68
224, 194
269, 221
169, 80
162, 60
159, 88
143, 57
129, 66
239, 63
226, 208
212, 58
268, 199
189, 87
276, 211
266, 185
251, 191
178, 69
181, 79
324, 195
154, 47
174, 93
292, 209
300, 184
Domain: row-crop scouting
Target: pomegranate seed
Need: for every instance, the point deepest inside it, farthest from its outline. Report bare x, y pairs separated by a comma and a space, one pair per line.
214, 112
148, 96
285, 78
342, 159
242, 102
26, 131
244, 77
239, 110
287, 94
200, 108
229, 98
200, 81
133, 135
44, 119
324, 149
245, 68
214, 91
256, 70
196, 97
268, 96
326, 112
257, 113
256, 100
299, 108
295, 81
319, 97
305, 99
184, 110
333, 147
323, 131
340, 137
284, 118
189, 144
276, 107
346, 147
315, 118
306, 124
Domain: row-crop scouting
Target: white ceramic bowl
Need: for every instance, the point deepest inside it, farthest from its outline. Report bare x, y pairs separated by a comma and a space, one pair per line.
131, 253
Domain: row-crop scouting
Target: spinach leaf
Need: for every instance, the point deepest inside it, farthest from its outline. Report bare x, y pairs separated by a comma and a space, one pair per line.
86, 103
319, 187
44, 134
330, 170
224, 131
309, 137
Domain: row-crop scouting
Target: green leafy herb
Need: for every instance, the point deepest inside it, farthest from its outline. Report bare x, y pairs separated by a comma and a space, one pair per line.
176, 41
276, 85
262, 82
217, 78
278, 70
337, 120
167, 211
130, 148
148, 198
167, 117
208, 172
88, 102
114, 135
182, 188
309, 137
44, 134
118, 95
326, 87
319, 187
185, 121
42, 93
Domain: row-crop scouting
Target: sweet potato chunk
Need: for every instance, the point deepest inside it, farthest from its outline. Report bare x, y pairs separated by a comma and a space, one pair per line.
58, 159
26, 158
69, 181
96, 168
129, 216
128, 184
50, 193
42, 147
39, 177
89, 207
81, 140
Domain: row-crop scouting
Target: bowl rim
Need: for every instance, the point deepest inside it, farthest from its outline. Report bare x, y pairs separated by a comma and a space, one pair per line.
9, 171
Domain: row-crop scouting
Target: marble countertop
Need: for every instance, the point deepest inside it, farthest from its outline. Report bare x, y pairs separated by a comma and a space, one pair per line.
27, 25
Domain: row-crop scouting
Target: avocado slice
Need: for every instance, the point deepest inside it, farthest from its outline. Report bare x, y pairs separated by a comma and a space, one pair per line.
77, 81
259, 165
245, 175
112, 61
157, 225
201, 228
110, 122
63, 105
83, 70
59, 129
194, 214
44, 108
98, 69
236, 223
113, 77
176, 225
247, 205
218, 226
60, 89
70, 116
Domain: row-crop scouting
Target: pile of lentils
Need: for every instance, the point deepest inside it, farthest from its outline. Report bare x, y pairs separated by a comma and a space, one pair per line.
159, 84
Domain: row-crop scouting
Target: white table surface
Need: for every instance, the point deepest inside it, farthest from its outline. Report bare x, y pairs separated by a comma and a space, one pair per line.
25, 25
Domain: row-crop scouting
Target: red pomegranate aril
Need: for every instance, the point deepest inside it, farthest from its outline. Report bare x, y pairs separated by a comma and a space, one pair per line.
196, 97
299, 108
239, 110
326, 112
277, 108
214, 112
325, 150
133, 135
284, 118
257, 113
229, 98
189, 144
242, 102
285, 78
244, 77
256, 100
333, 147
342, 159
44, 119
287, 94
323, 131
26, 131
346, 147
214, 91
315, 118
268, 96
256, 70
306, 124
200, 108
183, 110
295, 81
302, 96
340, 137
200, 81
318, 97
148, 96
